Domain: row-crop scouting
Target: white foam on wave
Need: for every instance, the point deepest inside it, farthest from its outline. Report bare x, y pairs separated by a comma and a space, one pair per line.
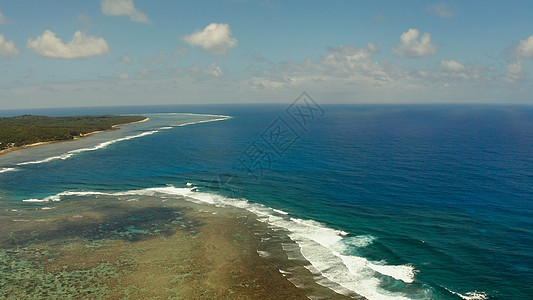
3, 170
49, 159
57, 197
323, 247
97, 147
280, 211
103, 145
206, 115
263, 254
470, 295
360, 241
405, 273
219, 118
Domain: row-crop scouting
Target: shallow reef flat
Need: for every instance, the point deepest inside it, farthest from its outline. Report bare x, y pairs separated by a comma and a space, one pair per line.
146, 248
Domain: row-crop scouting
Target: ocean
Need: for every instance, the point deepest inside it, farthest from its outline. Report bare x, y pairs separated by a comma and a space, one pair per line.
382, 201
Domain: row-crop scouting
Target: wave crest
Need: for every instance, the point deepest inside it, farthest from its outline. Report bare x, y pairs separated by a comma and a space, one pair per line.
323, 247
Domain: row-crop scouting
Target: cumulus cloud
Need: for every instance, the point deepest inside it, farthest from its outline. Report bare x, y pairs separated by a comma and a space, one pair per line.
7, 48
524, 50
123, 8
454, 71
411, 47
352, 70
515, 68
344, 68
4, 19
215, 38
214, 70
81, 46
347, 59
452, 66
442, 10
514, 71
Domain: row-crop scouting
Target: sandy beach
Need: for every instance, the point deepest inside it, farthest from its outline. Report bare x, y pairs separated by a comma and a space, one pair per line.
115, 127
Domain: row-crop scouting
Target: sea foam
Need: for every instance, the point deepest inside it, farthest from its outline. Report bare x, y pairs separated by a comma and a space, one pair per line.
4, 170
97, 147
103, 145
323, 247
470, 295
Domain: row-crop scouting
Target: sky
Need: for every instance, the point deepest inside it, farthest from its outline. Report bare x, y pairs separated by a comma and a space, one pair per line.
78, 53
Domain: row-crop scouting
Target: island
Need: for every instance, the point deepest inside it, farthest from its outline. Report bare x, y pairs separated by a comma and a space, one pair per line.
31, 130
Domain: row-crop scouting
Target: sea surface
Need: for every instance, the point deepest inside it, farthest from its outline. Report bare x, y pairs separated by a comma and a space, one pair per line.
383, 201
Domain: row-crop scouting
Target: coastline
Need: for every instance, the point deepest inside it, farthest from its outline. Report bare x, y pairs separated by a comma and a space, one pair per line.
114, 127
119, 125
116, 247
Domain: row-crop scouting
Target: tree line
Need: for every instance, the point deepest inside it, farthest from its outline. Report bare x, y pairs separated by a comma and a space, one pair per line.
29, 129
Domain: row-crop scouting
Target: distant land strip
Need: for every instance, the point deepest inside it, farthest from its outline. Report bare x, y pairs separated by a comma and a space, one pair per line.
28, 130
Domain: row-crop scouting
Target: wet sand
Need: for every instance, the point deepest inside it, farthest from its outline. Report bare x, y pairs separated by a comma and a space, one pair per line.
146, 247
114, 127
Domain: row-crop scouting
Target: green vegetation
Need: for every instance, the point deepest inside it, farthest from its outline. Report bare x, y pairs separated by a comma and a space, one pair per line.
29, 129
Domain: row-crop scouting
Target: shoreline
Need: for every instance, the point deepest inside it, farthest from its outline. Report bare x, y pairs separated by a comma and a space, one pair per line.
82, 136
150, 247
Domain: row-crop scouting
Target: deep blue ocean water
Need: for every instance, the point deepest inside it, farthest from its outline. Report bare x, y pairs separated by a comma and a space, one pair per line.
388, 201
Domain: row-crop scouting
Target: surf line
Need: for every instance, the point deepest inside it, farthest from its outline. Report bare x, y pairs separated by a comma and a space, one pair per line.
84, 135
323, 247
103, 145
3, 170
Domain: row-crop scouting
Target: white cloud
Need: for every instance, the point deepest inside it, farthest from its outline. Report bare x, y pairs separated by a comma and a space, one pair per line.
347, 59
4, 19
515, 68
524, 49
345, 68
125, 59
214, 70
122, 75
454, 71
215, 38
442, 10
410, 46
452, 66
81, 46
514, 71
350, 71
7, 48
124, 8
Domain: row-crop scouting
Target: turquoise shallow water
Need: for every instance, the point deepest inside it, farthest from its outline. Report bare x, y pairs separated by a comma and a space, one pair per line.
412, 202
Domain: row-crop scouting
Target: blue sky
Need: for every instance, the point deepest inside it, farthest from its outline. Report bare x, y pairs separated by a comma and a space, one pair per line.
136, 52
